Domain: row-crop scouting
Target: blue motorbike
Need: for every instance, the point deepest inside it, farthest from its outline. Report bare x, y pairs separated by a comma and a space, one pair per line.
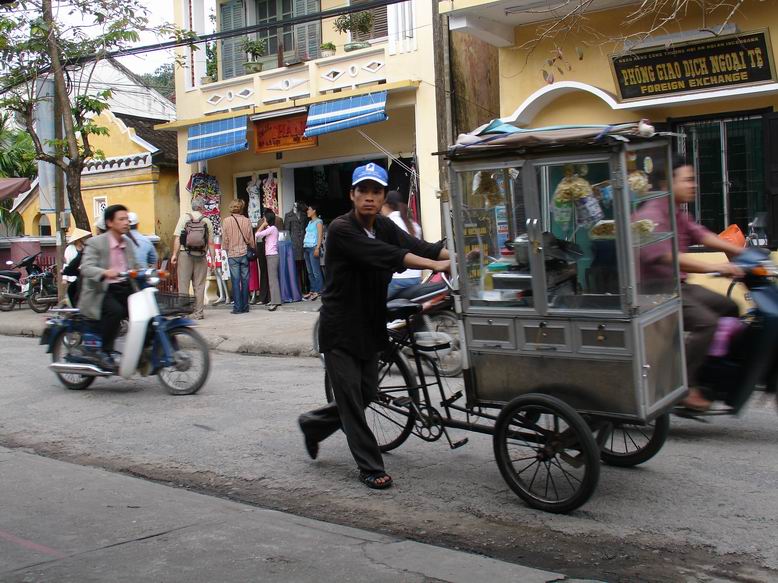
159, 340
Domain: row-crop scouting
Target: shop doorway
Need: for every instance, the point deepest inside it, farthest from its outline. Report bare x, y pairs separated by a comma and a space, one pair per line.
328, 186
729, 162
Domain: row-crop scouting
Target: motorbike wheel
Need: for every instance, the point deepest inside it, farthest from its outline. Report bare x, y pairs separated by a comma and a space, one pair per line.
449, 365
626, 445
546, 453
192, 363
391, 423
36, 305
6, 303
61, 348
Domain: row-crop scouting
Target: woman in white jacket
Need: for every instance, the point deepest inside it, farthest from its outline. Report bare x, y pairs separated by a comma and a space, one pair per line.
396, 209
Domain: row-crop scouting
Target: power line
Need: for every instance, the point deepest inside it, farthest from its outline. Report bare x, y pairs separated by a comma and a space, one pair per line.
294, 20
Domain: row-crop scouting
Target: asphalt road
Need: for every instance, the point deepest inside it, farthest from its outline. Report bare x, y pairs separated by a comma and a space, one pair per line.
704, 509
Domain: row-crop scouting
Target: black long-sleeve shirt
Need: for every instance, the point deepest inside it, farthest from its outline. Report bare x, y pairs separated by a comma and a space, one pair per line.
359, 269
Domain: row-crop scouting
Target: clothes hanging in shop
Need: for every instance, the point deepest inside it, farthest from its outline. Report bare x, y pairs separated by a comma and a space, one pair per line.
206, 187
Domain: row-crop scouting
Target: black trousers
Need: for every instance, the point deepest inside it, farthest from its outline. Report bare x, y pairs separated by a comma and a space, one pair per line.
113, 312
354, 384
702, 309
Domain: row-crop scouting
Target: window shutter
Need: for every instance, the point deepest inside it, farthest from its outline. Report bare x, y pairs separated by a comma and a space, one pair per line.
380, 24
307, 36
771, 175
232, 17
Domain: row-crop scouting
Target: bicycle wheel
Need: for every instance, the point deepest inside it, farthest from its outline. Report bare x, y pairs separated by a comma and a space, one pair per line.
626, 445
390, 422
546, 453
449, 365
191, 363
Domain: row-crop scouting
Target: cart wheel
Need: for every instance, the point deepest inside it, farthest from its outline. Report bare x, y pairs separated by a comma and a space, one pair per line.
626, 445
546, 453
391, 415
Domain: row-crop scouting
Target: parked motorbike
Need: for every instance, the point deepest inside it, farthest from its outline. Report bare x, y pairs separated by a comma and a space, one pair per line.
439, 325
438, 320
750, 362
160, 341
42, 291
38, 289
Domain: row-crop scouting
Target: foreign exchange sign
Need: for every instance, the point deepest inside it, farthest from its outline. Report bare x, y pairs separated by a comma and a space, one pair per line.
284, 133
724, 61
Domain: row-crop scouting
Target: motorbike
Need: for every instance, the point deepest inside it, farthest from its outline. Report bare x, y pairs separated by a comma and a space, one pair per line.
438, 324
749, 364
160, 340
38, 289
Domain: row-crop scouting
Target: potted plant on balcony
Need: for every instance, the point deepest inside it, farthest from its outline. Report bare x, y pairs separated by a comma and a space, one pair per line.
356, 23
254, 49
327, 49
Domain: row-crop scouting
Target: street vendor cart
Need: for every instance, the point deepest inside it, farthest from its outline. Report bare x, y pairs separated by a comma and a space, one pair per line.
569, 307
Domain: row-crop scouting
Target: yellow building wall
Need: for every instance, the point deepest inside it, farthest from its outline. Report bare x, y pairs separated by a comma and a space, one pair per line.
134, 189
521, 71
398, 135
166, 209
118, 142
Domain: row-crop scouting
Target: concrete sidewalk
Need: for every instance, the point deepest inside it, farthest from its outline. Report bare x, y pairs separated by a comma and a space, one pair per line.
285, 332
63, 522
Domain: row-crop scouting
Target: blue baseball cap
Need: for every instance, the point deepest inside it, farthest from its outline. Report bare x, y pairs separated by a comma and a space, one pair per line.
372, 172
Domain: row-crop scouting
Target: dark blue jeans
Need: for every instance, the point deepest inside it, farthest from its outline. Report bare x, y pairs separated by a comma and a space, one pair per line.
313, 266
239, 275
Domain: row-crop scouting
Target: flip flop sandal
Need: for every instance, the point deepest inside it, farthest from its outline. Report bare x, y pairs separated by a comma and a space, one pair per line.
371, 480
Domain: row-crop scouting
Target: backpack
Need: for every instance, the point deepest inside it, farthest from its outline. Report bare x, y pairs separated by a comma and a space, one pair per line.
194, 238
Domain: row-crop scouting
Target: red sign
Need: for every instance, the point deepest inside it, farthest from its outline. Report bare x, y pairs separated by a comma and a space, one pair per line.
283, 133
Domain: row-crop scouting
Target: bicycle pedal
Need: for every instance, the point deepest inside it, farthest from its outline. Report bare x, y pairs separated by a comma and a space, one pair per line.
459, 443
402, 402
452, 399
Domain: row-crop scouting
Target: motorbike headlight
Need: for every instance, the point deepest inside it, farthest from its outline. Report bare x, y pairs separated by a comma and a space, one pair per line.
152, 281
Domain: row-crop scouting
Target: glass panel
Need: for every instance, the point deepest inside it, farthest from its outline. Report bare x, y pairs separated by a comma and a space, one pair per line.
579, 243
653, 250
493, 215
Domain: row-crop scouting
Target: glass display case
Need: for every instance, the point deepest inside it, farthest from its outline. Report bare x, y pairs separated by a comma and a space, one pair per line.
569, 271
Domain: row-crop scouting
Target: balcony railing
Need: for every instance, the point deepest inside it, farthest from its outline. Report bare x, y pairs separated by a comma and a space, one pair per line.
359, 68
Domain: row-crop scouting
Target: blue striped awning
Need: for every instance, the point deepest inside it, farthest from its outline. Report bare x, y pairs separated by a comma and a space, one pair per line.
342, 114
216, 138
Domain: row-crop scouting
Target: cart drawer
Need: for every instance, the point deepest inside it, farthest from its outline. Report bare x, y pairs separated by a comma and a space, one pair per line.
491, 333
603, 338
544, 336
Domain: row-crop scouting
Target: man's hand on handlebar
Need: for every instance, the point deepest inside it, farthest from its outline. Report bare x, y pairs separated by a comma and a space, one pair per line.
442, 266
111, 274
729, 270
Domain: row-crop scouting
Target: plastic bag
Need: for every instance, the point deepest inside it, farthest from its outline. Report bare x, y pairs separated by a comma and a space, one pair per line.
734, 235
588, 211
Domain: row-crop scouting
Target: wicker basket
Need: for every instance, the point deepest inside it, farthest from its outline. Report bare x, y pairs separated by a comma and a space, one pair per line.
172, 304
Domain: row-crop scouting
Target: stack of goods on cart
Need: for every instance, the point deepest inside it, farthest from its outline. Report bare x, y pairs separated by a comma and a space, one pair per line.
574, 196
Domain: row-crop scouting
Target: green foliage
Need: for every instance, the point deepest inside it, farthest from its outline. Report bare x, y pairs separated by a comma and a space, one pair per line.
255, 48
17, 159
163, 79
328, 47
211, 61
355, 22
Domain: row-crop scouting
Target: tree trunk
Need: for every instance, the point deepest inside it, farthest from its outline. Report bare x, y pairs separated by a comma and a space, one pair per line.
77, 209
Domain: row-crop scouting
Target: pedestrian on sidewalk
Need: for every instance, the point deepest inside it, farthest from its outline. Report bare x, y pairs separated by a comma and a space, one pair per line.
192, 243
314, 236
269, 233
238, 241
363, 250
144, 250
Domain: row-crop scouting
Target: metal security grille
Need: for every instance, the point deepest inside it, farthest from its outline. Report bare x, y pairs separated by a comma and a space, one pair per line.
729, 163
